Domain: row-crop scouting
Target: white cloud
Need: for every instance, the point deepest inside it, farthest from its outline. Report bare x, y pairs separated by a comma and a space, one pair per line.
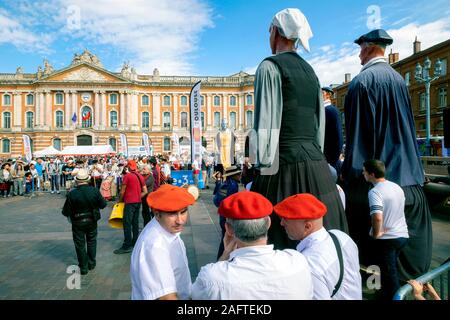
251, 70
332, 65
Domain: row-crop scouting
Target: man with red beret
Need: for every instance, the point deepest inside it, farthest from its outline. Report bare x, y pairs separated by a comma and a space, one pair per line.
159, 267
332, 255
250, 268
133, 187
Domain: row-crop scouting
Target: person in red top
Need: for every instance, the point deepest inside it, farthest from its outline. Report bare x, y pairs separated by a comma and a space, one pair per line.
133, 186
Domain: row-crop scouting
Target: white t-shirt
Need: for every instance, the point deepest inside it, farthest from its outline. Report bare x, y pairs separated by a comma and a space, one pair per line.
388, 198
159, 265
255, 273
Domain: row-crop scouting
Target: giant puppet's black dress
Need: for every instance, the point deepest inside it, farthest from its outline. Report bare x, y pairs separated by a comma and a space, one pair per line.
380, 125
302, 166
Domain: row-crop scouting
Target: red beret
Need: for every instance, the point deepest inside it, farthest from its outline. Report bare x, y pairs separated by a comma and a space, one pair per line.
169, 198
245, 205
303, 206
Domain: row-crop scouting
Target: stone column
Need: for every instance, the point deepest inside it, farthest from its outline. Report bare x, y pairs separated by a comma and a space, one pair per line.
128, 109
67, 109
74, 104
41, 110
209, 117
48, 114
241, 112
156, 111
175, 112
104, 123
96, 109
122, 110
225, 114
17, 114
37, 110
135, 106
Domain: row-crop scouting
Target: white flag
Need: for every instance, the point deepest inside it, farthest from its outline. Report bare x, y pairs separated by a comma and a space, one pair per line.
146, 144
196, 123
27, 147
124, 143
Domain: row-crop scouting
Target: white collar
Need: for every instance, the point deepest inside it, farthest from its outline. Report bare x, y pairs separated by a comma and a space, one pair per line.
318, 236
251, 251
170, 237
373, 61
327, 103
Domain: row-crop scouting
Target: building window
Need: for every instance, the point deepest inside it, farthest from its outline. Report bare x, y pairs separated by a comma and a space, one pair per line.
166, 120
6, 146
113, 98
145, 100
7, 120
145, 120
166, 101
30, 99
407, 78
444, 67
233, 101
86, 117
113, 143
249, 119
166, 144
233, 120
184, 119
249, 99
202, 99
217, 119
6, 100
59, 98
203, 120
216, 101
57, 144
113, 119
422, 102
59, 119
183, 100
29, 119
442, 97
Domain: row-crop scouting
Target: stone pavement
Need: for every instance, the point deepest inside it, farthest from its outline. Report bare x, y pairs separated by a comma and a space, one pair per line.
36, 248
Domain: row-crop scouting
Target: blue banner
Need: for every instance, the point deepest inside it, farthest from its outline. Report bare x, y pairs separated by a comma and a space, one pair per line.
181, 177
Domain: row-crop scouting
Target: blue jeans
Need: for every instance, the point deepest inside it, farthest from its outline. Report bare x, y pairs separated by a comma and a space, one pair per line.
387, 251
131, 224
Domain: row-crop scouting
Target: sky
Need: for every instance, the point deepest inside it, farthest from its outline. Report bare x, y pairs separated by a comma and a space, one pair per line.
206, 37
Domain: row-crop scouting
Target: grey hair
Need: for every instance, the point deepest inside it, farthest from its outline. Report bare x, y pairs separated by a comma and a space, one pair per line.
250, 230
377, 44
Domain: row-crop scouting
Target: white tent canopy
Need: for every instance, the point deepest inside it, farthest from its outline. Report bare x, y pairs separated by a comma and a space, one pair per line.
49, 151
87, 150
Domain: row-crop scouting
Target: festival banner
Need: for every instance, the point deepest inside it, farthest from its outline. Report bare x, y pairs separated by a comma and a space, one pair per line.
124, 143
27, 147
146, 144
196, 123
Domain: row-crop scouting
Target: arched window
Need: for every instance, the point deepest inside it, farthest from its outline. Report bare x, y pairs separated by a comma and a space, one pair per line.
442, 97
113, 98
113, 119
59, 98
29, 119
57, 144
59, 119
145, 120
6, 99
7, 120
216, 101
86, 117
30, 99
184, 101
166, 120
249, 98
113, 143
166, 144
249, 119
184, 120
233, 120
145, 100
6, 146
233, 101
166, 101
216, 119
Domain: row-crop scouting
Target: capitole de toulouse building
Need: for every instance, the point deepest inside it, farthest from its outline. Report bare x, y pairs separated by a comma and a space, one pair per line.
42, 105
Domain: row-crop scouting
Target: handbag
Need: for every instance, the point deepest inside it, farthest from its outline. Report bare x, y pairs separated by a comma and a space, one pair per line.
116, 218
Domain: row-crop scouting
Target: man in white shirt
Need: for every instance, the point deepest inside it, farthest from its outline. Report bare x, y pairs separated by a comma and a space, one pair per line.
332, 255
249, 268
389, 227
159, 267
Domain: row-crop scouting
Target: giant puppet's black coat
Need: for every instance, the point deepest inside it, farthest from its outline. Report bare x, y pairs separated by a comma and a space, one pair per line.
380, 125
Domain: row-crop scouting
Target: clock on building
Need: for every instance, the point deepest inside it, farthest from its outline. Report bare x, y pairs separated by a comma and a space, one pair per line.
86, 97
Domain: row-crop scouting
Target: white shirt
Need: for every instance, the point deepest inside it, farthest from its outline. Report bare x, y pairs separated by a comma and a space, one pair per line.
256, 273
321, 254
388, 198
159, 265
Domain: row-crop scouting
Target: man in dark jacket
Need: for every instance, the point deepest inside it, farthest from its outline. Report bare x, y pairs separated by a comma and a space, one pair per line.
82, 207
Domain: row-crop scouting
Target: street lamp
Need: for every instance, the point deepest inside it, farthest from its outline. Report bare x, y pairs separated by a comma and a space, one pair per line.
423, 76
